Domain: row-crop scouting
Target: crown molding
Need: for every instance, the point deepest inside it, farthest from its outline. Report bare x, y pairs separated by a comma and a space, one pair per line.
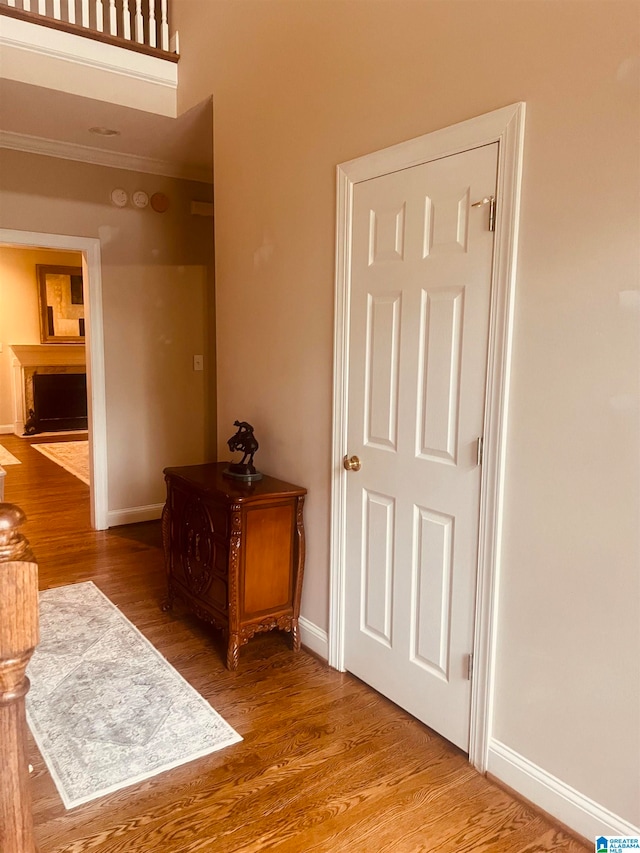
100, 157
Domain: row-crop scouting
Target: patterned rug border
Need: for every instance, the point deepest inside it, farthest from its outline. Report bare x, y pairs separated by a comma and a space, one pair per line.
45, 449
49, 759
7, 457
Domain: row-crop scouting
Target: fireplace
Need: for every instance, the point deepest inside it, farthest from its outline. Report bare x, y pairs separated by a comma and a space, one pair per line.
62, 403
59, 402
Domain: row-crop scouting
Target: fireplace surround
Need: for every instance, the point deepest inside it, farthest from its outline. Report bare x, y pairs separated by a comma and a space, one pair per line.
43, 360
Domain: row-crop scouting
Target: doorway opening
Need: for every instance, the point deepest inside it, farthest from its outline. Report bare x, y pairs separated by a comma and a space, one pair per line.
89, 248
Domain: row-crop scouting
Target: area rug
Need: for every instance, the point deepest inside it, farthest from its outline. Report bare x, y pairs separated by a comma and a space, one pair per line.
73, 456
106, 709
7, 458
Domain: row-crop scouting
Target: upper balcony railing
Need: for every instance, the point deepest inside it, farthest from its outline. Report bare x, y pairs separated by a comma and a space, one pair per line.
141, 25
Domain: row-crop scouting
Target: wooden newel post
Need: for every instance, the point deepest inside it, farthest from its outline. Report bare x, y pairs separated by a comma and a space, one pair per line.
18, 637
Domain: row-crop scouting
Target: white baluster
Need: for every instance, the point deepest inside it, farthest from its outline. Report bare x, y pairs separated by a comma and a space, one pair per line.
85, 13
126, 20
99, 16
12, 3
164, 28
42, 7
71, 11
139, 23
26, 5
113, 18
56, 10
152, 23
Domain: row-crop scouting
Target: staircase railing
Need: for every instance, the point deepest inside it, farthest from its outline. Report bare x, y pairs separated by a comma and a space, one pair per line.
138, 24
19, 635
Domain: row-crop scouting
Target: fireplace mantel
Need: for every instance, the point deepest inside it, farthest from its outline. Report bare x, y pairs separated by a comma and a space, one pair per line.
49, 358
44, 355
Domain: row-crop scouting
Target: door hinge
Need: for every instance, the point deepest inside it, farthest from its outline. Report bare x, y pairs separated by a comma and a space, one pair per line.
470, 667
479, 450
491, 201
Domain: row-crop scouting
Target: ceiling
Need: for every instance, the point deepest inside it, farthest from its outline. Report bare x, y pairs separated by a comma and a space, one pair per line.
32, 117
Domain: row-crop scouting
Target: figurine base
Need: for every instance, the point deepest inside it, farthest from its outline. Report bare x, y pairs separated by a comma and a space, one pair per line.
246, 473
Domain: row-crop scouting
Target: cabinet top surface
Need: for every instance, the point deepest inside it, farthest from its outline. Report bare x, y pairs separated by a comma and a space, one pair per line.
209, 478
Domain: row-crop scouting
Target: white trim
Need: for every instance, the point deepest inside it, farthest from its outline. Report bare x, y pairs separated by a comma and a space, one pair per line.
340, 408
314, 638
100, 157
88, 53
505, 126
577, 811
134, 514
510, 161
94, 346
6, 429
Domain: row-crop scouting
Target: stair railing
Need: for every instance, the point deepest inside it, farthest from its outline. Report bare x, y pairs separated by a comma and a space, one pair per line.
19, 635
140, 22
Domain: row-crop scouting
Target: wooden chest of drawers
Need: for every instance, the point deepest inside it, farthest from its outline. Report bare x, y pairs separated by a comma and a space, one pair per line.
234, 552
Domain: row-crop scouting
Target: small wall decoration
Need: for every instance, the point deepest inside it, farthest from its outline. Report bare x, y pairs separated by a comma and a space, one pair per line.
119, 197
159, 202
61, 298
140, 199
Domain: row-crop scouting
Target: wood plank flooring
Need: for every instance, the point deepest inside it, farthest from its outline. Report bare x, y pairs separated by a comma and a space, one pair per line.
326, 765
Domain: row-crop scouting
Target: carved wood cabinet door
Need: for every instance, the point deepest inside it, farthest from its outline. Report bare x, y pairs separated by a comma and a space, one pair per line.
196, 546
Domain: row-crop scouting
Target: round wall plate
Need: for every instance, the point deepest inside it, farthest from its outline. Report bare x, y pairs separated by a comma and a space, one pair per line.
140, 199
159, 202
119, 197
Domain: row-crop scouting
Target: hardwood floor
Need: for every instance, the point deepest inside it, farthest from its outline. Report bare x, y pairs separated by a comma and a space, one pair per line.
326, 764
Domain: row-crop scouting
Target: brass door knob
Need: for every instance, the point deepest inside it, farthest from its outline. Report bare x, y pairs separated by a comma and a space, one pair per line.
351, 463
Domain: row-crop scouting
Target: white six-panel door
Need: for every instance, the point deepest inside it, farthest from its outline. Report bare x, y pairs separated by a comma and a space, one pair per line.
420, 281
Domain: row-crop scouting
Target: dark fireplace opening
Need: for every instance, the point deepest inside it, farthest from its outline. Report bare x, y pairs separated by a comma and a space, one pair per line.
59, 402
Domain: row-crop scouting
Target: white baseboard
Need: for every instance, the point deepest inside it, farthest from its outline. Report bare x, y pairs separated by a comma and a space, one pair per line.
134, 514
314, 638
6, 429
560, 800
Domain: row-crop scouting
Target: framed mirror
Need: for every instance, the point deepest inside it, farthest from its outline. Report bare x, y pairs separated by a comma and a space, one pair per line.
61, 300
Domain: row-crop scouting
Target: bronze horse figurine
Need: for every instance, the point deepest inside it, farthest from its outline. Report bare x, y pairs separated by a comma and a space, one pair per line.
244, 440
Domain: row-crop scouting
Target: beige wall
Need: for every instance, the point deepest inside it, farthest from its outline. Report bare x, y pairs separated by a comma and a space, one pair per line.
299, 87
151, 357
157, 287
19, 311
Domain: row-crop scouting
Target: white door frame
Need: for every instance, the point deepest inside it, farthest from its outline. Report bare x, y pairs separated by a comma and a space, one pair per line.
91, 268
505, 126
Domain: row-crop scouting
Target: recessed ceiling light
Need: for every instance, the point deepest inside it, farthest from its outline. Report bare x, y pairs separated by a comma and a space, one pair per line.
104, 131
